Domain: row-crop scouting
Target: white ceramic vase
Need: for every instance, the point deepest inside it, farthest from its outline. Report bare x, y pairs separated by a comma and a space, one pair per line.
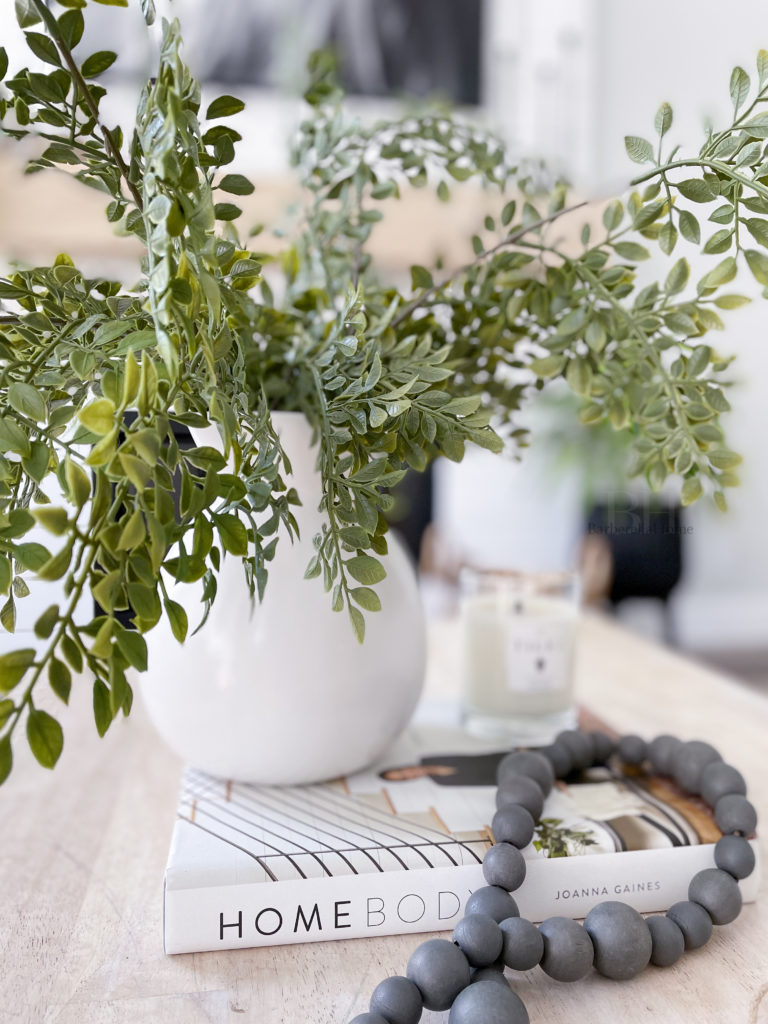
283, 693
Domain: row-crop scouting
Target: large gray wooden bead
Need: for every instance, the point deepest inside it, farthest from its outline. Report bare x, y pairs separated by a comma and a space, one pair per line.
530, 763
488, 1003
568, 950
693, 921
493, 973
621, 939
633, 749
719, 894
689, 761
369, 1018
493, 902
604, 746
523, 944
579, 745
719, 779
397, 1000
479, 938
560, 758
513, 824
734, 813
668, 941
734, 855
440, 971
661, 751
504, 865
522, 790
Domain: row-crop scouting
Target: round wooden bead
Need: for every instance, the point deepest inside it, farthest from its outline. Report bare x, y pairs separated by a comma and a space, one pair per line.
493, 902
604, 746
734, 813
523, 944
504, 865
621, 939
668, 941
369, 1018
513, 824
693, 921
633, 749
519, 789
734, 855
489, 1003
719, 894
719, 779
440, 971
661, 751
560, 758
689, 761
479, 938
397, 1000
568, 950
530, 763
579, 745
493, 973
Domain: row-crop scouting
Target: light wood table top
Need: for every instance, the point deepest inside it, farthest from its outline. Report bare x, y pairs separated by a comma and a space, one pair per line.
82, 853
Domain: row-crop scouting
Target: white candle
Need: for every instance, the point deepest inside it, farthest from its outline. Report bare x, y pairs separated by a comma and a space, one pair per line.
519, 639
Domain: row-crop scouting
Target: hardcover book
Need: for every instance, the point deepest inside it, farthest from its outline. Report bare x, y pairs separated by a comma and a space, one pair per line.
398, 848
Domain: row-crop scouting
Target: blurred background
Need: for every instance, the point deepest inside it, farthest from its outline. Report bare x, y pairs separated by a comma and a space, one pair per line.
565, 80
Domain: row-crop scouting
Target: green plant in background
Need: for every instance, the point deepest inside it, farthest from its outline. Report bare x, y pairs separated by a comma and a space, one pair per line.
389, 377
558, 841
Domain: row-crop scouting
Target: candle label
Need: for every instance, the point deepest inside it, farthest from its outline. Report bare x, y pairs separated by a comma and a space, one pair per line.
538, 654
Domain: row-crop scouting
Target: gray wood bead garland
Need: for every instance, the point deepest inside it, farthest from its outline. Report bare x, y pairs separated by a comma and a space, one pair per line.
467, 974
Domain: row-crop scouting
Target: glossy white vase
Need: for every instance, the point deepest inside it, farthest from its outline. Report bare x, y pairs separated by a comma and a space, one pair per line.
283, 693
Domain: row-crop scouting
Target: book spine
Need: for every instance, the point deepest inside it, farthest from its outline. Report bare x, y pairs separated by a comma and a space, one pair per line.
400, 902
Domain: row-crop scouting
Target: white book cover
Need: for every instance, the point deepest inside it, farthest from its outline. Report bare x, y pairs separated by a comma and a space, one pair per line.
398, 848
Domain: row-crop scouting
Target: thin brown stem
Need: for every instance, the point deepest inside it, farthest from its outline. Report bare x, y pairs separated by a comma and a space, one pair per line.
512, 239
82, 87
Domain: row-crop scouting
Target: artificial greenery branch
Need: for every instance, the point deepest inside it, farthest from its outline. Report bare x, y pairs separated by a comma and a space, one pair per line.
94, 376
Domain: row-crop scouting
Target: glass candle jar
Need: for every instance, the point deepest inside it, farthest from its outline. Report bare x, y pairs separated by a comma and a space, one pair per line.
518, 647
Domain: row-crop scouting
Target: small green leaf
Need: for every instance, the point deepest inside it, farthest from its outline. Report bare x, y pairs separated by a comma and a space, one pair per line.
46, 622
758, 264
719, 242
71, 25
689, 227
232, 533
13, 666
224, 106
177, 618
236, 185
365, 569
762, 67
133, 533
698, 361
739, 88
677, 278
548, 366
663, 120
98, 417
358, 622
54, 520
26, 13
731, 301
695, 189
78, 483
45, 737
102, 709
226, 211
43, 47
639, 150
631, 251
420, 278
366, 598
60, 679
691, 491
98, 63
134, 648
6, 758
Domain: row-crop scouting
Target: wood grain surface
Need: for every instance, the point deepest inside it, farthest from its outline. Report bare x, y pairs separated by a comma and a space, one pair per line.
82, 853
